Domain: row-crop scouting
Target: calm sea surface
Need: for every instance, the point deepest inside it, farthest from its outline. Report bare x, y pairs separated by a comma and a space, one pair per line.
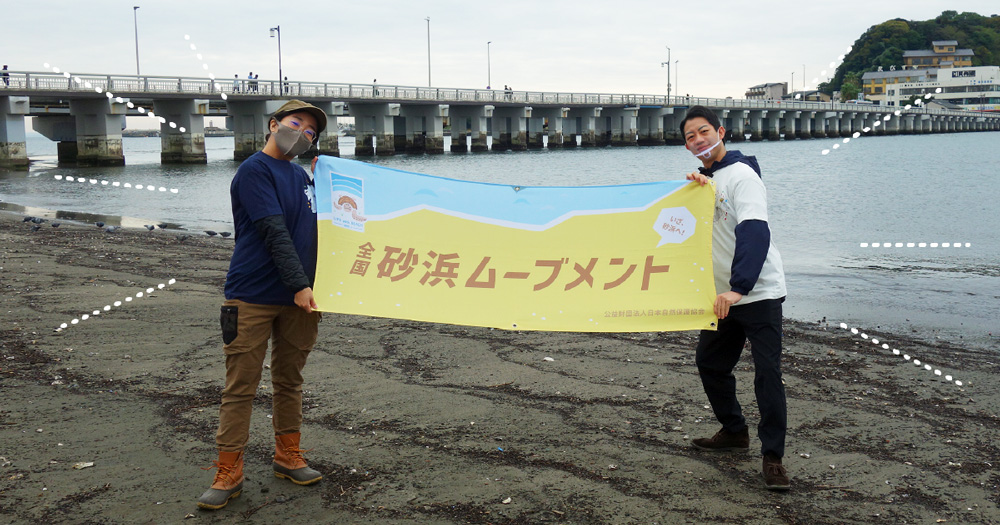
929, 188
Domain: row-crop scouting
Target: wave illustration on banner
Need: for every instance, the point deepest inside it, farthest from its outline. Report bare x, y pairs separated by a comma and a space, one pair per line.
628, 258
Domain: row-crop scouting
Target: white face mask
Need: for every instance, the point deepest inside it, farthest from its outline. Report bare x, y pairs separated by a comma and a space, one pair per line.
290, 141
707, 152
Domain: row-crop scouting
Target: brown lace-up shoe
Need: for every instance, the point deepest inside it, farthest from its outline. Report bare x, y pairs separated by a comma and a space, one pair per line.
723, 440
289, 463
228, 482
775, 477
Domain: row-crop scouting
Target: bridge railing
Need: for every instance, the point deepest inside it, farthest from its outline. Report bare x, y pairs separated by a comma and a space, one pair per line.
131, 85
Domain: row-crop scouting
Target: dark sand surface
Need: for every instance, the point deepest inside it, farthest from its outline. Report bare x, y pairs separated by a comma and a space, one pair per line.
423, 423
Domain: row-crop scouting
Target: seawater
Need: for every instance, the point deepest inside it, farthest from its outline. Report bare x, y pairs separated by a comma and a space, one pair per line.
938, 188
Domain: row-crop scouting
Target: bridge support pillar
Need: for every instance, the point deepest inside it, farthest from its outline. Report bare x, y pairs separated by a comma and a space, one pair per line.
62, 130
819, 122
185, 142
622, 125
466, 122
424, 125
906, 122
555, 118
329, 139
672, 126
99, 124
805, 125
374, 128
510, 128
771, 124
756, 119
584, 123
650, 123
832, 124
844, 124
535, 131
13, 145
248, 120
734, 122
788, 123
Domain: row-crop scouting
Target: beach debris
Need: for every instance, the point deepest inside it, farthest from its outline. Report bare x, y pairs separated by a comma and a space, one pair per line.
612, 467
832, 467
189, 515
82, 465
211, 233
547, 359
4, 462
507, 501
39, 430
805, 455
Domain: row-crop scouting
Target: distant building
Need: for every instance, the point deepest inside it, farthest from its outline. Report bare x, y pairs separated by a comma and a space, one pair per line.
769, 91
945, 54
807, 96
875, 83
971, 88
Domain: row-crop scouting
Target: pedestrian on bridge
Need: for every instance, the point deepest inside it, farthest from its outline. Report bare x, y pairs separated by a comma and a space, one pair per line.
269, 295
6, 76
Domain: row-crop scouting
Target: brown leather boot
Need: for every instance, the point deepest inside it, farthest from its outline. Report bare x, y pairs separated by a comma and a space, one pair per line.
289, 463
775, 475
723, 440
228, 481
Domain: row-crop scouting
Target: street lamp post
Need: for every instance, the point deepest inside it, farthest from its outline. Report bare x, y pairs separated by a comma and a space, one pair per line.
677, 74
667, 63
135, 22
489, 67
428, 19
791, 87
276, 30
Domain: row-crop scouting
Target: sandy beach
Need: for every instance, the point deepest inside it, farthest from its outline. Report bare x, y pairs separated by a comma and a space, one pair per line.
112, 419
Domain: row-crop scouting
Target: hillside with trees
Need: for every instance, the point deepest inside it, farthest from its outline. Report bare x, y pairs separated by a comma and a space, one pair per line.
883, 45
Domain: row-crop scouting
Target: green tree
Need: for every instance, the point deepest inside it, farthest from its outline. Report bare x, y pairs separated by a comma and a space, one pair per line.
851, 87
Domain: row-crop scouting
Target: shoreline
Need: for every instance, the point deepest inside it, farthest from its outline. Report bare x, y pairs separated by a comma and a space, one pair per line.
419, 422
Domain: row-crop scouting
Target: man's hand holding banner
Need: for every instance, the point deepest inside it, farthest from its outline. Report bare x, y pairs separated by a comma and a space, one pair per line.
630, 258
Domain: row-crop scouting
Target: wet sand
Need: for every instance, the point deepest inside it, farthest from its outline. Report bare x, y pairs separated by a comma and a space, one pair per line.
424, 423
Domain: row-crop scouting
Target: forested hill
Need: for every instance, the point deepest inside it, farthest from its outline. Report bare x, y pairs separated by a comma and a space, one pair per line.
883, 44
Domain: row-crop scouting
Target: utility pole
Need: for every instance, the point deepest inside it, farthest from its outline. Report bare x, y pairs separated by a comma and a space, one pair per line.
428, 51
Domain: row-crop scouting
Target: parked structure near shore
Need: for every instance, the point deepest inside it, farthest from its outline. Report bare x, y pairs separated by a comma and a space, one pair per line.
86, 113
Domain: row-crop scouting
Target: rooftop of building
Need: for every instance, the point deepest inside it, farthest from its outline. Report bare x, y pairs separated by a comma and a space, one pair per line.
914, 53
767, 85
940, 43
895, 74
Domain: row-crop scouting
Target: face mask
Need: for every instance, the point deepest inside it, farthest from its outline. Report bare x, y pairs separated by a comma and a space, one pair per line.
291, 142
706, 153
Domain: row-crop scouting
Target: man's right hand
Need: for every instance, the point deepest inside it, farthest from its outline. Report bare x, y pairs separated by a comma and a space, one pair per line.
697, 177
304, 300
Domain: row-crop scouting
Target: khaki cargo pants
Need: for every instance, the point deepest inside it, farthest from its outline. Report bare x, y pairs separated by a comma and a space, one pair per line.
246, 329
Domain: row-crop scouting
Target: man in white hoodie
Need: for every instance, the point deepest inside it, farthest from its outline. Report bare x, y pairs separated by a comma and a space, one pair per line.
750, 285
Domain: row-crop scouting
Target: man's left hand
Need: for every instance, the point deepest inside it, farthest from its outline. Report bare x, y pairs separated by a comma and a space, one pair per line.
723, 301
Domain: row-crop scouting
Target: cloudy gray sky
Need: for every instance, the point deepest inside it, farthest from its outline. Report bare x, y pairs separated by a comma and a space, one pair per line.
722, 47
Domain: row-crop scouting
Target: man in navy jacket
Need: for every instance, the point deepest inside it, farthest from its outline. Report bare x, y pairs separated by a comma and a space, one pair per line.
750, 284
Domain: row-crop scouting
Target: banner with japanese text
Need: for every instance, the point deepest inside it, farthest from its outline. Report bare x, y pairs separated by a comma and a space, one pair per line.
629, 258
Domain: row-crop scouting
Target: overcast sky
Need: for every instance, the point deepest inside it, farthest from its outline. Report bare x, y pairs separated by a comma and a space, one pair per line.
723, 47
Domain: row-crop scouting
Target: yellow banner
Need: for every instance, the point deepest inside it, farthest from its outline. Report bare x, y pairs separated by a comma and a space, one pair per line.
630, 258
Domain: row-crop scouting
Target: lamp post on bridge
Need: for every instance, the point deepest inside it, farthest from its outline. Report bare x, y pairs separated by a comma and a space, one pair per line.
135, 22
489, 67
428, 19
677, 74
667, 63
277, 30
791, 87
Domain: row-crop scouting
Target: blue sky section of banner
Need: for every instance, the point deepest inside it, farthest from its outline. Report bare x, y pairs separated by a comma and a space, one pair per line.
529, 207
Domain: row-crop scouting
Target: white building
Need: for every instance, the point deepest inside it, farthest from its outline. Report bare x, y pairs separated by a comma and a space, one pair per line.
971, 88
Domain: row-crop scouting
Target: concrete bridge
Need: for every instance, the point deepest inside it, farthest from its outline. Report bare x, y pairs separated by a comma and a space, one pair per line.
85, 115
